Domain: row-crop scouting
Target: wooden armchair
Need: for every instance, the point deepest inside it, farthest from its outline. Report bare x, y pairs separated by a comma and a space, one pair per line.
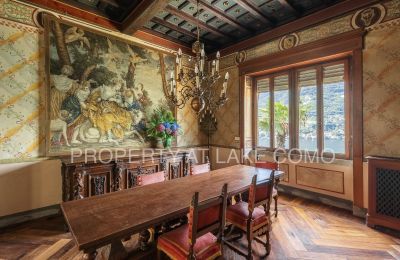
271, 166
195, 240
249, 218
200, 168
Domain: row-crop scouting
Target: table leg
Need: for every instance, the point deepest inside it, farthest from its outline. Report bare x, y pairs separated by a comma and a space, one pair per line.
144, 237
117, 250
90, 254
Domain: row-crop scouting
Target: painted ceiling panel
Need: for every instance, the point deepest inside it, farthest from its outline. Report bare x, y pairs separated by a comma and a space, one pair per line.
236, 11
174, 19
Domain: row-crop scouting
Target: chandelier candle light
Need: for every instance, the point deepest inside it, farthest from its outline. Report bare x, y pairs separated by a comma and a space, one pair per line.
198, 85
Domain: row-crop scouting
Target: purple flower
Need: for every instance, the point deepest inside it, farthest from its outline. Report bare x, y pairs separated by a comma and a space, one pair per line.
160, 128
174, 133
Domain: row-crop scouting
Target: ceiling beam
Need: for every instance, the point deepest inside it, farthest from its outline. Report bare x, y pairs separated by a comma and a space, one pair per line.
221, 15
290, 7
142, 14
255, 11
313, 19
192, 19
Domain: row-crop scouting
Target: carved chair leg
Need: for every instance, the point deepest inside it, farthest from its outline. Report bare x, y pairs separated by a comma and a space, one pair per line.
276, 205
249, 250
90, 254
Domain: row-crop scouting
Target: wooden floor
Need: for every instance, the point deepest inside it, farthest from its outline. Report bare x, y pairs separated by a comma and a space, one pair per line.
303, 230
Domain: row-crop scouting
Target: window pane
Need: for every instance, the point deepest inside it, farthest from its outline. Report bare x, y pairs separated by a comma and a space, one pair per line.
334, 110
307, 83
263, 113
281, 111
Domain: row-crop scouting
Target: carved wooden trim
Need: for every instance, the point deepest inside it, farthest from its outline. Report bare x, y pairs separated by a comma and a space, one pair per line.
78, 185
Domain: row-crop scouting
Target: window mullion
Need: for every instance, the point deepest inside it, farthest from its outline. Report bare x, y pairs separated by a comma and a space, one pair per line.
320, 110
293, 109
272, 112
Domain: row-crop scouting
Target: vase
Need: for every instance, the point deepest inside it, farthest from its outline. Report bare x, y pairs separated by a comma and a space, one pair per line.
167, 142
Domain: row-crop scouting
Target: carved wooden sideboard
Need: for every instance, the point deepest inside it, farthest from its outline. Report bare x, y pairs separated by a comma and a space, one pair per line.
85, 178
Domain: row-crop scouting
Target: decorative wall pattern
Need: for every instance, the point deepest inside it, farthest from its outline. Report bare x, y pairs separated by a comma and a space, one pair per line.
228, 115
16, 12
382, 92
21, 82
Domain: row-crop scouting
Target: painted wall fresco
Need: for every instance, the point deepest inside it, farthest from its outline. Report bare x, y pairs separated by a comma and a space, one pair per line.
382, 91
21, 82
102, 90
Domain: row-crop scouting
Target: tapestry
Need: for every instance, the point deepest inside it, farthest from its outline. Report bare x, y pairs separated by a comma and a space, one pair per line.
102, 90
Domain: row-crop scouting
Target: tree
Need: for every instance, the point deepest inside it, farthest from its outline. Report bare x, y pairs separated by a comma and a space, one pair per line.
281, 120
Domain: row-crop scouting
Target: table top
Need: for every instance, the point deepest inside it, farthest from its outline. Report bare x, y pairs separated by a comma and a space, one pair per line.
98, 220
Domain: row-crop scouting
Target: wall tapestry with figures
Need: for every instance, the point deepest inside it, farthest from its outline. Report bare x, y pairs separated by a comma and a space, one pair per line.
102, 90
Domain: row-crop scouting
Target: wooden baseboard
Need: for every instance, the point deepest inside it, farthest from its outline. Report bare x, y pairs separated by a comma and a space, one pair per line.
322, 198
18, 218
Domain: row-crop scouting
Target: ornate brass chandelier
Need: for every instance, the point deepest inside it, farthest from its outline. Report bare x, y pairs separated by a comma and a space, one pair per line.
198, 84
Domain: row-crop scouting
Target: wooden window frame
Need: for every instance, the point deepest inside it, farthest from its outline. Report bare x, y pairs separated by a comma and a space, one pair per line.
349, 44
293, 78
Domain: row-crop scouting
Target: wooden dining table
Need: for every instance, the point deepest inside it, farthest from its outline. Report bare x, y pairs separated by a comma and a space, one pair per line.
107, 219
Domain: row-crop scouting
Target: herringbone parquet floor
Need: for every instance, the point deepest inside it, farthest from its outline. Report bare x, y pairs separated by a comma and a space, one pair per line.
303, 230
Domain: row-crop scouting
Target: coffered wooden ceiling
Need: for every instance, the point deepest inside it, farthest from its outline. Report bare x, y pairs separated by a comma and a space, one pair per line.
223, 23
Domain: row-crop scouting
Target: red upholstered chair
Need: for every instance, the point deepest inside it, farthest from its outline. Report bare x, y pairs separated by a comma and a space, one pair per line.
249, 218
200, 168
146, 179
195, 240
271, 166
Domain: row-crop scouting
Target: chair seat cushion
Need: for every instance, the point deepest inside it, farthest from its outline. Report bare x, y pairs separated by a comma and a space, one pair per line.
176, 244
237, 215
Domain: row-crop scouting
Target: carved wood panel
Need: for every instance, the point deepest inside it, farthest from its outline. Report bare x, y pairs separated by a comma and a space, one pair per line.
80, 180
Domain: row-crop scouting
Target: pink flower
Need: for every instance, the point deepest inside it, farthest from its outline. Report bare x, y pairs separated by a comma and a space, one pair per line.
160, 128
168, 131
174, 133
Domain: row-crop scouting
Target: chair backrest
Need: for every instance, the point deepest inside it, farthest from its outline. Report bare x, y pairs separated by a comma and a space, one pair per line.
260, 194
200, 168
146, 179
267, 165
207, 216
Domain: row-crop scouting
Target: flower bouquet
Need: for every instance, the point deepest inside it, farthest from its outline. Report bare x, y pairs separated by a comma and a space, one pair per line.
163, 125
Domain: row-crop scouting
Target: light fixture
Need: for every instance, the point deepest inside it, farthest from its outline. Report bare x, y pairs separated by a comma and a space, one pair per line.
198, 84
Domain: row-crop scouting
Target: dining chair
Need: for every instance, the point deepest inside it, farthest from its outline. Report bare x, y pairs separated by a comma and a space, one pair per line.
271, 166
200, 168
195, 240
250, 219
146, 179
